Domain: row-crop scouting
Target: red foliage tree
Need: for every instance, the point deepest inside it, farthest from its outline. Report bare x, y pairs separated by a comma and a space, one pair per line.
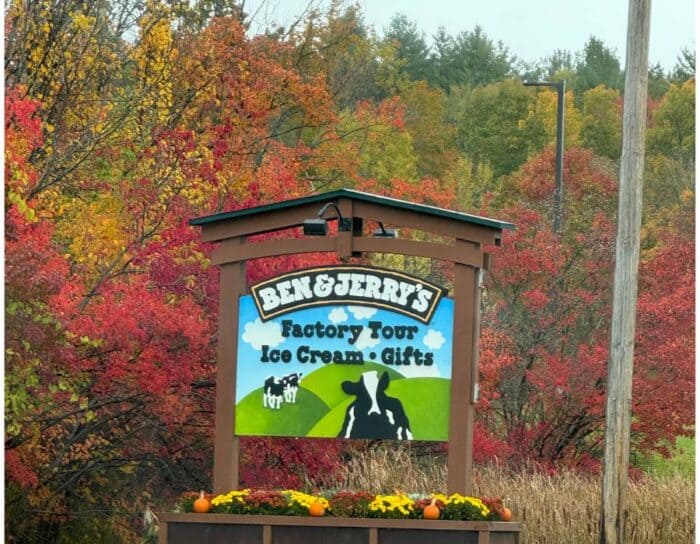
545, 337
664, 371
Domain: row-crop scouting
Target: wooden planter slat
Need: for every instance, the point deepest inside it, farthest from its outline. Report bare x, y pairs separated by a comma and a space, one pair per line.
251, 529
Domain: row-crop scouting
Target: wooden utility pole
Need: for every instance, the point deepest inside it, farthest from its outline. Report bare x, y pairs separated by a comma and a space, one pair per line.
619, 393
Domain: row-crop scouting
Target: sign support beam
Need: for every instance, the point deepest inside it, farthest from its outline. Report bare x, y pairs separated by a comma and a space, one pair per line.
226, 445
464, 354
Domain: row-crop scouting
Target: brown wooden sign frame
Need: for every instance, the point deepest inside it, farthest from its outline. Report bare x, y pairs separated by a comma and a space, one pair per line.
470, 234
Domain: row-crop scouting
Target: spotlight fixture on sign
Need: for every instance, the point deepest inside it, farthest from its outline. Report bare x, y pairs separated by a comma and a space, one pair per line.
381, 232
319, 226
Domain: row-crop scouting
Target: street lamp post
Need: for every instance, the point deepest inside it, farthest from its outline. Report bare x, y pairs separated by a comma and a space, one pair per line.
560, 86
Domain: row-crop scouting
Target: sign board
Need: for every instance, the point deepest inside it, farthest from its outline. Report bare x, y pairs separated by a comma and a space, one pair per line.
345, 351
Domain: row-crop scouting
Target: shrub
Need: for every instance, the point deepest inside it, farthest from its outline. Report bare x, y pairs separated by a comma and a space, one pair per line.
351, 504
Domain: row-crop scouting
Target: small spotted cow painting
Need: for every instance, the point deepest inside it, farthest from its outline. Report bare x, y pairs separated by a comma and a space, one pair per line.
279, 390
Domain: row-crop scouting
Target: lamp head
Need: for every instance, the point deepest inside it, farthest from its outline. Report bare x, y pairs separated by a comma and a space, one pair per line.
315, 227
384, 233
559, 85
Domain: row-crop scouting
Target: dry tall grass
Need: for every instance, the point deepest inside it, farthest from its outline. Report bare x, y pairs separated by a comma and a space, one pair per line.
556, 509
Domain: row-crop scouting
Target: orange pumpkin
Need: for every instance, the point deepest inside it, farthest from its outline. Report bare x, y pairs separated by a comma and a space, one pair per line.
506, 514
431, 511
202, 505
317, 509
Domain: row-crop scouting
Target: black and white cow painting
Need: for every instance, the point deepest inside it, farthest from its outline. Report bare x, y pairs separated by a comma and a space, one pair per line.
291, 386
278, 390
273, 393
373, 414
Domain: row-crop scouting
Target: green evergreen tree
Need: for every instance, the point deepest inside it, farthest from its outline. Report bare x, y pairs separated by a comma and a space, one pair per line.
597, 65
685, 66
470, 58
411, 47
658, 82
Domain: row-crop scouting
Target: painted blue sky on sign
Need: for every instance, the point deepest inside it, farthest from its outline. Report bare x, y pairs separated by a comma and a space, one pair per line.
434, 337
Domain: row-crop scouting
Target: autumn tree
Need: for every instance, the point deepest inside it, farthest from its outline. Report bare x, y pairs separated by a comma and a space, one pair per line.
673, 124
488, 130
546, 322
94, 393
543, 383
433, 139
601, 129
664, 381
386, 149
670, 166
72, 57
112, 393
539, 126
337, 45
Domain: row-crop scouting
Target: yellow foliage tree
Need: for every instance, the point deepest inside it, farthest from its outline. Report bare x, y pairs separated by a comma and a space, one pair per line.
539, 126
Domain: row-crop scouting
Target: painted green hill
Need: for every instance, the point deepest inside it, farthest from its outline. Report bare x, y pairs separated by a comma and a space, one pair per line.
320, 382
427, 405
330, 424
425, 400
290, 420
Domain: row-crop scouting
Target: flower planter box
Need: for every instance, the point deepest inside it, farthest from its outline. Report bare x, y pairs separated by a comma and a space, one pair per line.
250, 529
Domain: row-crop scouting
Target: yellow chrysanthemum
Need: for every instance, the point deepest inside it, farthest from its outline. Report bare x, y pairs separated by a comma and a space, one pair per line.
456, 498
393, 503
229, 497
304, 499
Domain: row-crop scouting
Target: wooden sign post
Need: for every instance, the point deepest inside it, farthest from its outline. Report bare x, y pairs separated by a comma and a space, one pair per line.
470, 236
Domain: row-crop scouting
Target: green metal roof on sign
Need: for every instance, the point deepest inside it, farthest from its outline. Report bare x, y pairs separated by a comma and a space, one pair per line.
354, 195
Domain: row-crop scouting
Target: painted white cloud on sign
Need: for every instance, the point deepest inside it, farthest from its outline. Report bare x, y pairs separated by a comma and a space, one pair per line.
362, 312
434, 339
256, 333
337, 315
365, 340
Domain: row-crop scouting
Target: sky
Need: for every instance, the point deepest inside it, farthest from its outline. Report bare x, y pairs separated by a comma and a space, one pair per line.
531, 30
